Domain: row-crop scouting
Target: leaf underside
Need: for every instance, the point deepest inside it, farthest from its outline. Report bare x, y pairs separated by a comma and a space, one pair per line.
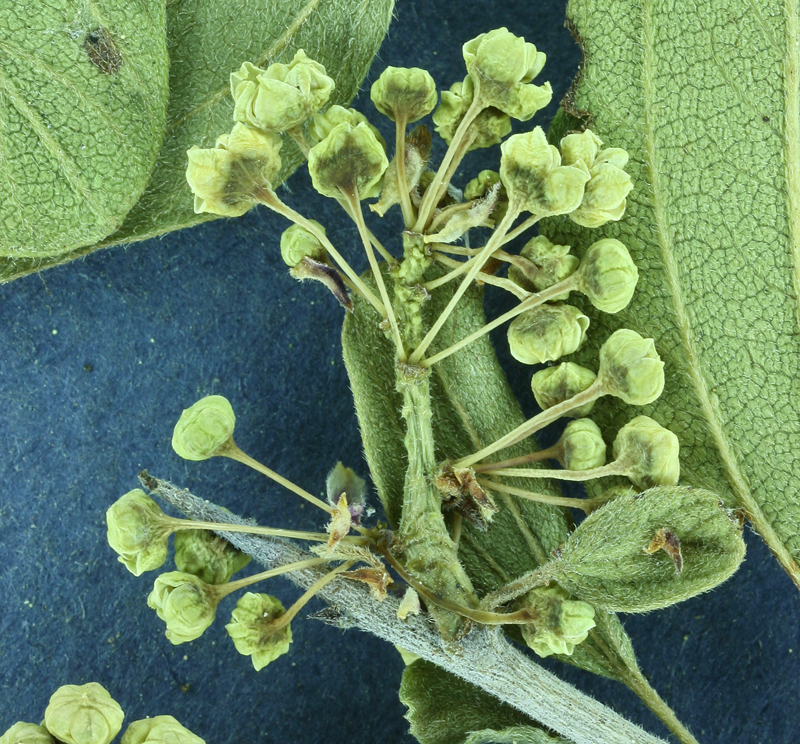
83, 100
206, 40
443, 709
704, 96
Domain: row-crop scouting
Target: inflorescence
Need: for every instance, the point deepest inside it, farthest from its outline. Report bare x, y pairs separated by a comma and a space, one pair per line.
348, 162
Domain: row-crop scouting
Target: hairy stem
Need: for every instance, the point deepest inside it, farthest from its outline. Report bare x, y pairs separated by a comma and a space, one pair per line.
484, 658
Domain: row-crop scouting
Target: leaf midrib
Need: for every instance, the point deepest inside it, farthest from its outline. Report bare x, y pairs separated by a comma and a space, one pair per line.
682, 321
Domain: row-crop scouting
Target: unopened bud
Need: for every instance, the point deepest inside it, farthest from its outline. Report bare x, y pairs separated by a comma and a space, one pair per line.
489, 127
404, 94
630, 368
582, 445
342, 481
650, 453
563, 622
283, 95
322, 123
204, 429
208, 556
554, 385
185, 603
252, 628
609, 185
159, 730
548, 264
83, 714
546, 333
536, 181
138, 531
26, 733
609, 559
298, 243
350, 160
504, 66
227, 179
608, 276
483, 184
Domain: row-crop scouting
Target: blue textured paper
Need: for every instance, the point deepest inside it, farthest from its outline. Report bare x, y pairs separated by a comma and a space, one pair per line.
100, 356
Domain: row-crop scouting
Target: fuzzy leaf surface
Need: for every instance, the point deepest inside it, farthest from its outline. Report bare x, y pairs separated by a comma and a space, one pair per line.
705, 98
83, 100
207, 40
444, 709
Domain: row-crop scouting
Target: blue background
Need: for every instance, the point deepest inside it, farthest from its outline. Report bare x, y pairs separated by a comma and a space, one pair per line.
99, 357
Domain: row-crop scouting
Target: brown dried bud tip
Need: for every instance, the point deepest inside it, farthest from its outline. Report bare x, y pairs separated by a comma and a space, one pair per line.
462, 493
667, 541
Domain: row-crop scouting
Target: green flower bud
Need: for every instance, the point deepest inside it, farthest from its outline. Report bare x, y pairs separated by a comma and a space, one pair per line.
185, 603
342, 481
609, 185
563, 622
556, 384
404, 94
582, 445
138, 531
630, 368
298, 243
503, 65
282, 96
350, 160
608, 275
226, 180
159, 730
536, 181
549, 265
252, 629
489, 127
481, 185
204, 428
83, 714
546, 333
609, 559
208, 556
322, 123
26, 733
650, 453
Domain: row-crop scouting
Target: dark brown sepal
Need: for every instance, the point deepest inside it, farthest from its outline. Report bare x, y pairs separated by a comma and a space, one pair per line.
667, 541
461, 493
308, 268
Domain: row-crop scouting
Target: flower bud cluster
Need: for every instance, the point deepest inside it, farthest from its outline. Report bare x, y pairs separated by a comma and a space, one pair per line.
87, 714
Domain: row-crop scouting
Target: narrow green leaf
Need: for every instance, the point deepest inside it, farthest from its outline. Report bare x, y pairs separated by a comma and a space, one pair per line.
207, 40
443, 709
83, 100
705, 98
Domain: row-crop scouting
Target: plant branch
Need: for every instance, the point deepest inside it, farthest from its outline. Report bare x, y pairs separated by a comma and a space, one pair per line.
484, 658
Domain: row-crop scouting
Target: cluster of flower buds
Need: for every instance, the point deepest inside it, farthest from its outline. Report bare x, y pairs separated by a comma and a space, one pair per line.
187, 599
235, 175
607, 276
87, 714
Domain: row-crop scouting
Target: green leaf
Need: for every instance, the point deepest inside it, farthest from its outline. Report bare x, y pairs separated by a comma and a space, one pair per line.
83, 100
207, 40
705, 99
444, 709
